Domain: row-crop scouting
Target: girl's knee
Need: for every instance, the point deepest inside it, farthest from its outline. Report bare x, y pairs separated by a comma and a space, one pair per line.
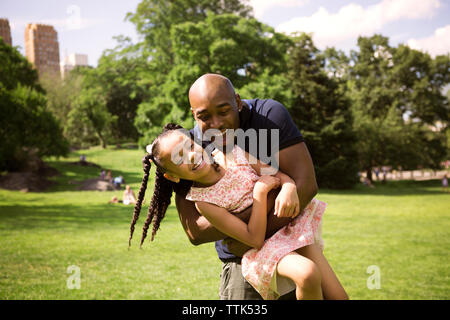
308, 276
312, 276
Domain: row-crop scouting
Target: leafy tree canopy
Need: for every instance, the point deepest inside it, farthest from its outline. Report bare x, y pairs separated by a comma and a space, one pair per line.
26, 126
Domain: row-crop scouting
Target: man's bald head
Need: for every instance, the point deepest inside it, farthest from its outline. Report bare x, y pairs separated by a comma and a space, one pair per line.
209, 85
214, 104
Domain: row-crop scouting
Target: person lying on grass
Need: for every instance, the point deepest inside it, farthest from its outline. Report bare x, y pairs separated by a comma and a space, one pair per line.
223, 185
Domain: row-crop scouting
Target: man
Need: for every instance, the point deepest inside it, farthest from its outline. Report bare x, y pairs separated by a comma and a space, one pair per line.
215, 105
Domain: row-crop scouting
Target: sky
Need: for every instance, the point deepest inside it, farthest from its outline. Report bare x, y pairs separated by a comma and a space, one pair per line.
89, 26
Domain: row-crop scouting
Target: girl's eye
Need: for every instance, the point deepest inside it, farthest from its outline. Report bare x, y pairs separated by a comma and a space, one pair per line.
180, 158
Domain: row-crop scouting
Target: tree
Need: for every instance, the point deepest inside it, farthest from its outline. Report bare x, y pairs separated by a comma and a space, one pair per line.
15, 69
121, 74
154, 20
61, 93
89, 118
240, 48
26, 126
396, 96
323, 115
118, 84
420, 80
447, 128
267, 86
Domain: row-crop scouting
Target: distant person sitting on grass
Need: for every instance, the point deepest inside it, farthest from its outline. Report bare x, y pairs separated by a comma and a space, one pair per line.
368, 183
109, 176
445, 183
114, 199
223, 185
128, 196
118, 181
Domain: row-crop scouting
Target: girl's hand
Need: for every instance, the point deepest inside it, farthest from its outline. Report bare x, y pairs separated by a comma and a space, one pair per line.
287, 204
265, 184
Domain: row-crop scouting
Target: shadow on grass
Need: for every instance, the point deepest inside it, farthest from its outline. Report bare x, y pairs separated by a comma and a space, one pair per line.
71, 217
393, 188
71, 176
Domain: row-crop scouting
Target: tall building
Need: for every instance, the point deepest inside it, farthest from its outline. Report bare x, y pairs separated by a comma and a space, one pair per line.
5, 31
42, 48
73, 60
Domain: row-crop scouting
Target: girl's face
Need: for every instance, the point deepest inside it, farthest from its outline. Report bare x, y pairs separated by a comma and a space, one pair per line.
183, 158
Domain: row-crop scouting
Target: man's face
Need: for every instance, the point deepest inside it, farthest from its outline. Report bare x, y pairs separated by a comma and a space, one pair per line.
219, 110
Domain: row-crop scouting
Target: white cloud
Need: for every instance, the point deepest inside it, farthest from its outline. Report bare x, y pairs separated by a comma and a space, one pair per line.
437, 44
352, 20
260, 7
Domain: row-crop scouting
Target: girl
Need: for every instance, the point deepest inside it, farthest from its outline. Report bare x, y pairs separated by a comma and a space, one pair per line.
128, 196
229, 185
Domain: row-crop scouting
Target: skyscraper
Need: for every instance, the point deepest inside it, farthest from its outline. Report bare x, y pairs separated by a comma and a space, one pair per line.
42, 48
71, 61
5, 31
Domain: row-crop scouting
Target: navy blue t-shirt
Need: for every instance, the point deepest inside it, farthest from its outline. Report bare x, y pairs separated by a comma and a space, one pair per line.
262, 114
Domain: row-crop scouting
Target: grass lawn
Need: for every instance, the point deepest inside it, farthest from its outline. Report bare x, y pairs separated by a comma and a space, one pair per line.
402, 228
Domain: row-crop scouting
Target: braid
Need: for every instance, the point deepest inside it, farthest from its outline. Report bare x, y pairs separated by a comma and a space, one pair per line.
162, 192
137, 207
162, 195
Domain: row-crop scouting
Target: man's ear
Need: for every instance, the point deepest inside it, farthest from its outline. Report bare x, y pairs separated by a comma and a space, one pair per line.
171, 178
239, 102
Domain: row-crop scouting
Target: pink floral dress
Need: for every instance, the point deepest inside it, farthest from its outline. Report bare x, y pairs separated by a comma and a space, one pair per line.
234, 192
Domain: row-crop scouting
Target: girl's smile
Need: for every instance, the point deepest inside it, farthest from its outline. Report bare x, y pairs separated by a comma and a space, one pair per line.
199, 165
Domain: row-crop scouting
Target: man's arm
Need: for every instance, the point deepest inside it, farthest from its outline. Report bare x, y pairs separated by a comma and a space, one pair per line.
296, 162
198, 229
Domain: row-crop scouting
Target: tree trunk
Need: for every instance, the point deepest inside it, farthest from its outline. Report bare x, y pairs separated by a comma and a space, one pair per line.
369, 174
102, 140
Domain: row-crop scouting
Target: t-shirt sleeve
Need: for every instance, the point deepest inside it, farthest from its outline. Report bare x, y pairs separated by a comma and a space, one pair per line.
278, 117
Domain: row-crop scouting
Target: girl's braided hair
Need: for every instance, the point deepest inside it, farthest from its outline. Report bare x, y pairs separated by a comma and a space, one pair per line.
162, 191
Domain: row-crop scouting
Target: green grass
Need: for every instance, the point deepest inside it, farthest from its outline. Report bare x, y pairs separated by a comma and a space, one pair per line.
402, 227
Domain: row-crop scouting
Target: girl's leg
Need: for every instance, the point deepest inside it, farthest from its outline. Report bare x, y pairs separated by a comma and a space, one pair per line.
331, 287
304, 273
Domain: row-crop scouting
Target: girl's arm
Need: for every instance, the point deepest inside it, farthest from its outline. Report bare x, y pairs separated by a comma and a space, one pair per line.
253, 233
199, 230
287, 203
